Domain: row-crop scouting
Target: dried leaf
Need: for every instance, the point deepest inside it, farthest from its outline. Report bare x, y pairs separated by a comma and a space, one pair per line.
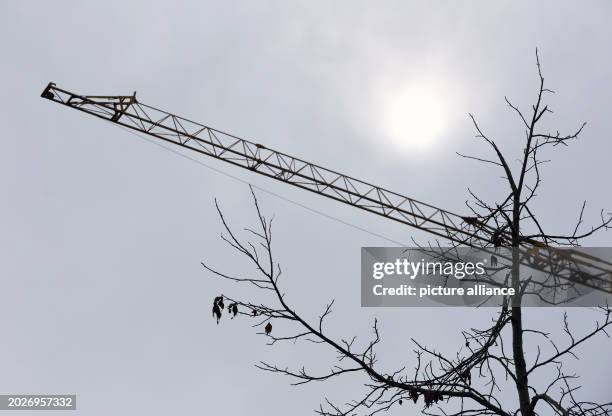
493, 261
216, 312
414, 395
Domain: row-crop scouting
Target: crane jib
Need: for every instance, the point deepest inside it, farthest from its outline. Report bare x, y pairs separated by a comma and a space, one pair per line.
128, 112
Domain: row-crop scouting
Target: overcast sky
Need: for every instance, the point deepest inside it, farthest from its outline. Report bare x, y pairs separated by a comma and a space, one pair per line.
102, 234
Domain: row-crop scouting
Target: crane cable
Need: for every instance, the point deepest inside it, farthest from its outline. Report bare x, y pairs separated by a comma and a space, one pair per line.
274, 194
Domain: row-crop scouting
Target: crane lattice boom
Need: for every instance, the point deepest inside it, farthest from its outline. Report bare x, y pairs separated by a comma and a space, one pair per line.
128, 112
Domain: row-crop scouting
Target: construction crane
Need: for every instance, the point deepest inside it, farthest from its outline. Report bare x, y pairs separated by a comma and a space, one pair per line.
129, 113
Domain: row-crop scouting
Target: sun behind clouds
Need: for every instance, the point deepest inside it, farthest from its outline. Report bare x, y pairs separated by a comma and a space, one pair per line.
414, 116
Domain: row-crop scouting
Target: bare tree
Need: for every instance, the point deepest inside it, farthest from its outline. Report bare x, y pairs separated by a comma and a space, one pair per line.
469, 382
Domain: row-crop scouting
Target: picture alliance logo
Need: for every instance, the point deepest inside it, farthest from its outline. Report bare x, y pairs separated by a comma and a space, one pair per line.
411, 270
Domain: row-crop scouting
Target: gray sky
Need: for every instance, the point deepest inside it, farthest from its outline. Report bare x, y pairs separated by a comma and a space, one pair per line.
102, 235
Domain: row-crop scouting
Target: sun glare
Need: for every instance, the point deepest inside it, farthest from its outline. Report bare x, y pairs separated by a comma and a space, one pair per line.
414, 117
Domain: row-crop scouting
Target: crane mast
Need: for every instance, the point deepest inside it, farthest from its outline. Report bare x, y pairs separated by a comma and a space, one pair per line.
128, 112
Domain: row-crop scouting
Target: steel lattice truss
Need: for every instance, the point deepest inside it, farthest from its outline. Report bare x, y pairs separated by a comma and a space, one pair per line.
128, 112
